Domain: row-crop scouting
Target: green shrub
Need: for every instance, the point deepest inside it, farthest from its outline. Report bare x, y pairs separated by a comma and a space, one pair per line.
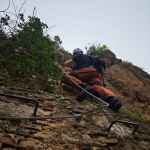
29, 52
95, 50
137, 115
127, 63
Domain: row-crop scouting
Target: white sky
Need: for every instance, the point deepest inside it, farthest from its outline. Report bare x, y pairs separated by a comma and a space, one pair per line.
123, 25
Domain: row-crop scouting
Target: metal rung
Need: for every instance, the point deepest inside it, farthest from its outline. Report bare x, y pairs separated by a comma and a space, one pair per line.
125, 122
23, 98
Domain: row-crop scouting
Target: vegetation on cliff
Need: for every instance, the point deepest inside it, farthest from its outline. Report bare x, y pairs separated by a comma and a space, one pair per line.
27, 51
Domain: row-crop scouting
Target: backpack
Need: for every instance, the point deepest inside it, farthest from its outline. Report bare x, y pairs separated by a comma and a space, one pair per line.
99, 64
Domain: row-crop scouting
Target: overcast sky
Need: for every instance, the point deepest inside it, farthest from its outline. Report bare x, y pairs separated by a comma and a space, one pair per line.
123, 25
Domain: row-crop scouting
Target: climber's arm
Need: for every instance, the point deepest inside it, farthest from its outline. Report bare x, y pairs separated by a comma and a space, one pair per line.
68, 63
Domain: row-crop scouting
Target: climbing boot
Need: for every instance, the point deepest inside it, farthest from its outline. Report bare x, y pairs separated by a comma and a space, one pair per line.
82, 95
117, 106
113, 103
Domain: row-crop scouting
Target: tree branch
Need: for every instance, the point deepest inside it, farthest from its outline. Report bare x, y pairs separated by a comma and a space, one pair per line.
6, 8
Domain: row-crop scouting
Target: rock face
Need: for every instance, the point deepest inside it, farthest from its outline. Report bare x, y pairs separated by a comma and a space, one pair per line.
110, 58
130, 84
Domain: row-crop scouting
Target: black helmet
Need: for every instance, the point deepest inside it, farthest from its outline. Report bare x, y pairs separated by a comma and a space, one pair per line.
76, 51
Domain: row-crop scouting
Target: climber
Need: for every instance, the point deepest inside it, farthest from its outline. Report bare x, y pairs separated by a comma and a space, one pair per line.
87, 77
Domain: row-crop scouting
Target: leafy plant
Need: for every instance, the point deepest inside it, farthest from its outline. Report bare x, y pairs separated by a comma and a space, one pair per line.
67, 52
137, 115
95, 50
127, 63
57, 39
9, 82
28, 52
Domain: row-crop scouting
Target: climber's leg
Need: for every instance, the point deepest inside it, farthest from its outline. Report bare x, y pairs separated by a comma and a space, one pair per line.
72, 81
105, 94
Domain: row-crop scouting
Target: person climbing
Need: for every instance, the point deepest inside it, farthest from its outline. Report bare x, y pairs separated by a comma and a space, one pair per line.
89, 79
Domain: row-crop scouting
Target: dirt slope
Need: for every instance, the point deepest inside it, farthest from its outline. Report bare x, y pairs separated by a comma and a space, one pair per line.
131, 85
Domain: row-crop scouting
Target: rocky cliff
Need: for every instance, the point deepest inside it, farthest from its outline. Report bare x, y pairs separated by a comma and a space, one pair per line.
71, 132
